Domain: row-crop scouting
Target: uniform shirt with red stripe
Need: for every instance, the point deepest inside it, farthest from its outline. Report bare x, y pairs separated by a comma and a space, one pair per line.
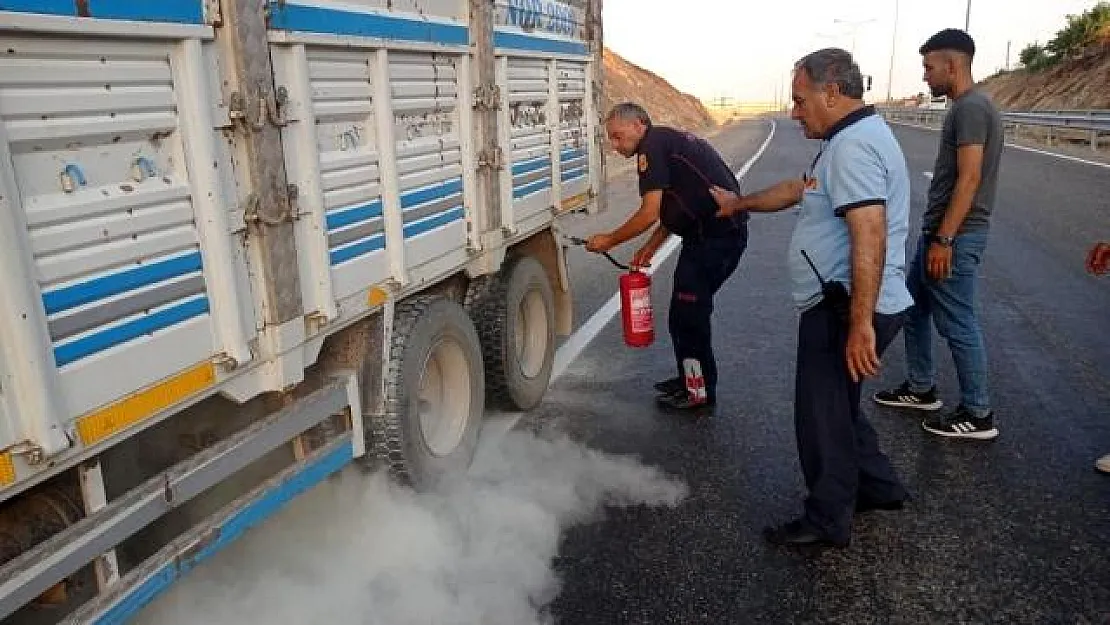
684, 166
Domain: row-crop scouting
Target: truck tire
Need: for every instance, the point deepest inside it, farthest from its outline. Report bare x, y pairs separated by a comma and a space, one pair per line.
514, 312
433, 401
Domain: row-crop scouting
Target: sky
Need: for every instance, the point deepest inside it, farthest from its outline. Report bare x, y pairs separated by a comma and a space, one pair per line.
744, 49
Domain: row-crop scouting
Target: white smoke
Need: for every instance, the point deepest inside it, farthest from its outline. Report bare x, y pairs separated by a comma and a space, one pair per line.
361, 550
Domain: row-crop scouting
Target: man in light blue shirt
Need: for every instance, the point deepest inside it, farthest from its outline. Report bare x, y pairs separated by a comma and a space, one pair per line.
847, 266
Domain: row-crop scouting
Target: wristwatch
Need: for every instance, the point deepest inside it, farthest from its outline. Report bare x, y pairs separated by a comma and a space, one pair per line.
942, 240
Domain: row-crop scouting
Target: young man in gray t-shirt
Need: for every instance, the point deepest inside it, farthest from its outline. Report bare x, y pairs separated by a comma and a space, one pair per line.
943, 273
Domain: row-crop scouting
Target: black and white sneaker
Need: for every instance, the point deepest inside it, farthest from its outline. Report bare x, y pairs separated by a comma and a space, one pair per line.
962, 424
903, 397
671, 386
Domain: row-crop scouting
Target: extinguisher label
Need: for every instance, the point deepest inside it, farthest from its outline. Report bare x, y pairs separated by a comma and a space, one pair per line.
640, 302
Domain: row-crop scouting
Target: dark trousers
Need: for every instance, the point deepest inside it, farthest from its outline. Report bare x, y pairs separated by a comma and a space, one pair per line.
837, 447
703, 266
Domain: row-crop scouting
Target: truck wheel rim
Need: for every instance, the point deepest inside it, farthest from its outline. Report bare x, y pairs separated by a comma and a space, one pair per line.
444, 403
530, 334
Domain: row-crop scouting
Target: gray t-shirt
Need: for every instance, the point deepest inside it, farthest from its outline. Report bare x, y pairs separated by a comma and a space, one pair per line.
972, 120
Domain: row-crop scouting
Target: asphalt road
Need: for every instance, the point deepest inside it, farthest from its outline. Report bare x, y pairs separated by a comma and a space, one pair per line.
1012, 531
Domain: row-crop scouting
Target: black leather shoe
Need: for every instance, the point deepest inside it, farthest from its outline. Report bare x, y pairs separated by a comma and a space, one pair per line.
681, 402
671, 386
866, 505
798, 533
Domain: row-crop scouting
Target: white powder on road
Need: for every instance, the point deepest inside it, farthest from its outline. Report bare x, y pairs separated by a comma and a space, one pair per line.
360, 550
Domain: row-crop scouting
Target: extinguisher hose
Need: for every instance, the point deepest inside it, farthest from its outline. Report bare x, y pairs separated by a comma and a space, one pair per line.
616, 263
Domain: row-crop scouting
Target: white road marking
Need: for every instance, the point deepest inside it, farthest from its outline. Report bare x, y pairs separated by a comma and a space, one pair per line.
1023, 148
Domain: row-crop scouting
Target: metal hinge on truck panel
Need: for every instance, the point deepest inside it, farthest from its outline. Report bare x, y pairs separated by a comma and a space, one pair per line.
253, 212
265, 107
213, 14
491, 157
487, 97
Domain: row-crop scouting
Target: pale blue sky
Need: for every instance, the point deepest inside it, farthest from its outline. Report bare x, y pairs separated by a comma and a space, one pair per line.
745, 49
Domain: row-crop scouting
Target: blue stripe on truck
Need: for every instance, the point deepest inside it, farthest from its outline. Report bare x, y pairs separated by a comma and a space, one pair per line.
353, 214
357, 249
174, 11
111, 284
432, 222
237, 525
530, 43
296, 17
529, 189
117, 335
430, 193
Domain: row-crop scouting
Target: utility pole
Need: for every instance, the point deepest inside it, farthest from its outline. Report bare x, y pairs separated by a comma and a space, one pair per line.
893, 47
967, 18
854, 26
1008, 44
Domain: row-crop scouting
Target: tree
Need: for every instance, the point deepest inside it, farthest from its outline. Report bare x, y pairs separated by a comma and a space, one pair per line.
1034, 57
1081, 31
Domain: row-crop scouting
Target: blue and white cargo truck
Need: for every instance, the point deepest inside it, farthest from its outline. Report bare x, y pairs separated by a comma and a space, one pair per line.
244, 243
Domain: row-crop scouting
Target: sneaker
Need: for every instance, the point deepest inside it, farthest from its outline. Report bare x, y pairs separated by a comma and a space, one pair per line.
671, 386
1103, 464
903, 397
961, 424
681, 402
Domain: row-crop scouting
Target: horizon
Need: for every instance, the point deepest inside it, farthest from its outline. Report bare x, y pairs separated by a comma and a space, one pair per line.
690, 59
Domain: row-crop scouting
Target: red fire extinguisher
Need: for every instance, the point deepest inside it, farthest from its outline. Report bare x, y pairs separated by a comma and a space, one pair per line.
636, 315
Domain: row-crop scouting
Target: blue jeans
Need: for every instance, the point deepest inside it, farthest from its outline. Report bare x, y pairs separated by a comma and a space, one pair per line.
950, 304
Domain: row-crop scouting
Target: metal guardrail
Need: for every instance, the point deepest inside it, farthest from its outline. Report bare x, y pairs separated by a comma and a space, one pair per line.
1094, 122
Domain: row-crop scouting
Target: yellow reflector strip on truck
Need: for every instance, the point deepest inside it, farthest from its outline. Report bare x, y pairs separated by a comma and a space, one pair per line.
99, 425
574, 202
376, 297
7, 470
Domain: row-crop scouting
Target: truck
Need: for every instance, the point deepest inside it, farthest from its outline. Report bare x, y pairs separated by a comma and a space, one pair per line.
247, 243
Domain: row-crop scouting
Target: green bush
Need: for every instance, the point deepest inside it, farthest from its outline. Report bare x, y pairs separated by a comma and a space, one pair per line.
1034, 57
1081, 31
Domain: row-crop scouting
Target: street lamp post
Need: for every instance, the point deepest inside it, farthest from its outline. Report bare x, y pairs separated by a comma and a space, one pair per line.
967, 17
893, 47
854, 25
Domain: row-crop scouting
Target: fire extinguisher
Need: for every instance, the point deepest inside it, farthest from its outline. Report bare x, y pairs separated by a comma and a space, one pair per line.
637, 320
636, 314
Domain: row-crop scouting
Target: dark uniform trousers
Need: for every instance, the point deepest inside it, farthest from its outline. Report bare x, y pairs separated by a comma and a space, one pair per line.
839, 454
703, 266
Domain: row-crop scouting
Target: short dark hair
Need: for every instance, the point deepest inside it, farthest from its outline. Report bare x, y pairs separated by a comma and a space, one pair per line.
833, 66
950, 39
629, 111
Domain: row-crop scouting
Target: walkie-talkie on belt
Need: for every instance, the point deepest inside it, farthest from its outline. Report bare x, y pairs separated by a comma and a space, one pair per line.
835, 294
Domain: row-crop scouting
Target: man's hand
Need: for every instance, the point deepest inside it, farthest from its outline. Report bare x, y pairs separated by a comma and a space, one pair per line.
643, 256
1098, 260
939, 261
861, 353
727, 201
600, 243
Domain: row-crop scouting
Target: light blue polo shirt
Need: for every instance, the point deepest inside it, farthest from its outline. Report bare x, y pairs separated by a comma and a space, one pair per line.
860, 163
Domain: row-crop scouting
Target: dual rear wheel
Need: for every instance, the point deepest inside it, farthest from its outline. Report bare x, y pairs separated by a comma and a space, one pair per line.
447, 359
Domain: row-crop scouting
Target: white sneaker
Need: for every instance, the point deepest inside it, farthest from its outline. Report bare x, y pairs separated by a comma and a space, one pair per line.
1103, 464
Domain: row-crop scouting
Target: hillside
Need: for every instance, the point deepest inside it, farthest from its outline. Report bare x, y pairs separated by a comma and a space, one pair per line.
626, 82
1080, 82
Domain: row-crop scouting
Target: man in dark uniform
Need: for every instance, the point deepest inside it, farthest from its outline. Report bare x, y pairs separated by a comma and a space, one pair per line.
676, 171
